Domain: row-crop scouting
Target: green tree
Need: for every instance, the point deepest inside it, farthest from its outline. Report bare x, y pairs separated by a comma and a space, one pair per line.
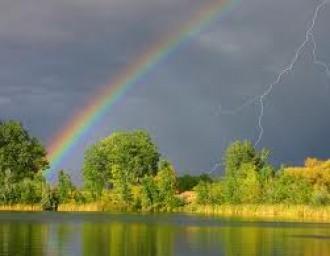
50, 200
121, 185
131, 152
166, 183
249, 190
210, 193
291, 190
242, 163
9, 190
95, 171
29, 192
188, 182
20, 153
158, 193
243, 152
149, 194
65, 187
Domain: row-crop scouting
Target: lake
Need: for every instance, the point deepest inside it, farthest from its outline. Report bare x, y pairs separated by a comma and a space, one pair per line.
97, 234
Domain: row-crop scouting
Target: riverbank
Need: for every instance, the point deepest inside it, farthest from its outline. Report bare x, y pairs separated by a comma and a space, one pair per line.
70, 207
281, 211
21, 208
90, 207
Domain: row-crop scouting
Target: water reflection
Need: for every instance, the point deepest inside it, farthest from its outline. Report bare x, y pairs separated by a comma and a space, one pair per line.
164, 235
127, 239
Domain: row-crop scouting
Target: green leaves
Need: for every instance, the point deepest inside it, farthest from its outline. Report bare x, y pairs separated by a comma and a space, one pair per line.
20, 153
22, 159
133, 153
65, 187
158, 193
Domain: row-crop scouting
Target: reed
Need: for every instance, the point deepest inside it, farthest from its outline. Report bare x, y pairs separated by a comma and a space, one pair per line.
98, 206
279, 211
21, 207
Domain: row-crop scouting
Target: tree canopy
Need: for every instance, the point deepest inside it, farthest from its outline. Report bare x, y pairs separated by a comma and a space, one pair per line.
124, 171
20, 154
131, 152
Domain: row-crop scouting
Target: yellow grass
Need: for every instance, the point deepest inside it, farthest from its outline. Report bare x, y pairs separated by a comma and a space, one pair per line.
89, 207
21, 207
280, 211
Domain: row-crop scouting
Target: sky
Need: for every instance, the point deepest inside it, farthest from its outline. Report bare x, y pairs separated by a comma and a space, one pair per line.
56, 54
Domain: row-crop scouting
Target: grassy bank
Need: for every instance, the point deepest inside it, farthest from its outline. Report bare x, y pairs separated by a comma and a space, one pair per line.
89, 207
70, 207
21, 207
280, 211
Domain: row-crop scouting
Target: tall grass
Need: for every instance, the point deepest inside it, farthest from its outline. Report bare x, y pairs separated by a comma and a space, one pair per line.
281, 211
88, 207
21, 207
278, 211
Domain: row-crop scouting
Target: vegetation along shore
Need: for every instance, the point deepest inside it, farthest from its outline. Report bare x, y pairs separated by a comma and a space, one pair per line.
125, 172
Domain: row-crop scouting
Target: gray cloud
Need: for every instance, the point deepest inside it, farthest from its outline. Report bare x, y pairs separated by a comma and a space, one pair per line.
56, 54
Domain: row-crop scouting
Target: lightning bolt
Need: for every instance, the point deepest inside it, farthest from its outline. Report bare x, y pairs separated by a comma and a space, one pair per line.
309, 38
316, 60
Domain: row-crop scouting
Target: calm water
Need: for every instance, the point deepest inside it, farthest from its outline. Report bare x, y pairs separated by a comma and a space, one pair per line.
155, 235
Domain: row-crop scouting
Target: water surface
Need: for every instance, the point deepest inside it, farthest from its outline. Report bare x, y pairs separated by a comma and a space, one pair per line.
156, 235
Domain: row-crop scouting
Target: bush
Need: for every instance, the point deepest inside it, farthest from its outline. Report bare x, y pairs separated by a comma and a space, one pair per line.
289, 189
210, 193
149, 194
188, 182
79, 197
28, 192
50, 200
65, 187
320, 196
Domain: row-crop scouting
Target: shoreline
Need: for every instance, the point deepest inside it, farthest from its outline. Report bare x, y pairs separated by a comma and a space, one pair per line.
300, 213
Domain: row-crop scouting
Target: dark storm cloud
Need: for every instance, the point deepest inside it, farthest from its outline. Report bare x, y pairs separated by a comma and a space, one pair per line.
55, 54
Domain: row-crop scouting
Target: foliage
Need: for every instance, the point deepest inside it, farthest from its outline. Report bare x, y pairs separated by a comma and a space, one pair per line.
121, 184
50, 200
317, 172
124, 169
250, 179
249, 184
188, 182
29, 192
132, 152
210, 193
149, 194
320, 196
240, 153
65, 187
79, 197
291, 190
158, 193
95, 170
245, 170
20, 153
165, 181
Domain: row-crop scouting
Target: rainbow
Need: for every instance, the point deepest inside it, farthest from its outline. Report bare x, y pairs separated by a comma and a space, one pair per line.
69, 136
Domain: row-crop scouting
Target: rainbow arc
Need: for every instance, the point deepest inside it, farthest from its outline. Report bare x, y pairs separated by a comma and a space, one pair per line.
102, 103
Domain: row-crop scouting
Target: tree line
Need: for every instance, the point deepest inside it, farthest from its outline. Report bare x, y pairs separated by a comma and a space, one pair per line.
250, 179
126, 171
